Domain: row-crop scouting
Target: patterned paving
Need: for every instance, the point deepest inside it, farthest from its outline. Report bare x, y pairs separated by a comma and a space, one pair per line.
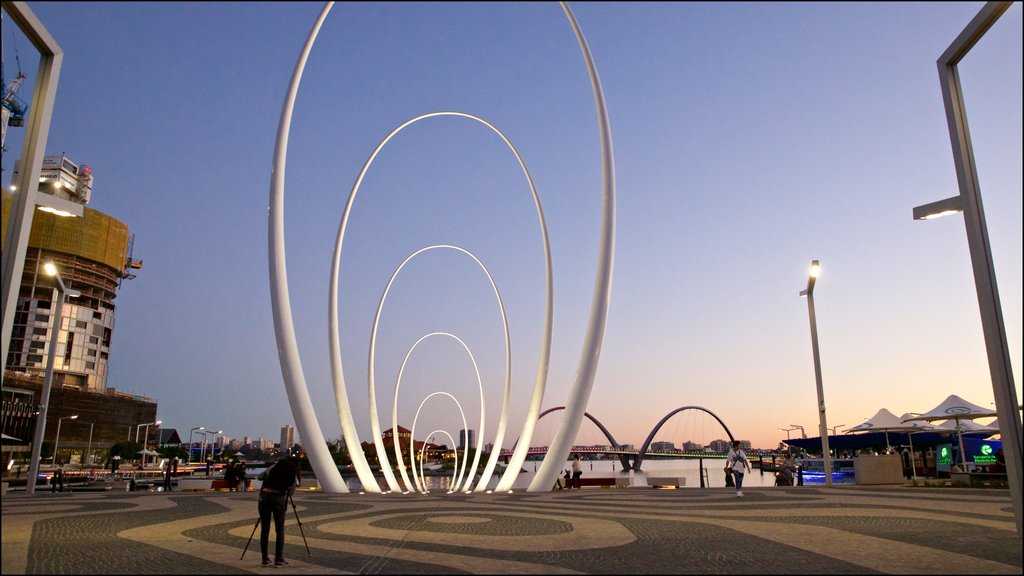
840, 530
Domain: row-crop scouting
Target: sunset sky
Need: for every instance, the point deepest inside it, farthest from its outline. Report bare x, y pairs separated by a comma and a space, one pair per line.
749, 140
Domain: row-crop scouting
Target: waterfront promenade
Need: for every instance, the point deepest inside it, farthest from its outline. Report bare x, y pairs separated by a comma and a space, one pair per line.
799, 530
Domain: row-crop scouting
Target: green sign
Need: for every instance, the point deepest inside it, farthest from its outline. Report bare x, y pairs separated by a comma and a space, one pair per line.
944, 456
985, 455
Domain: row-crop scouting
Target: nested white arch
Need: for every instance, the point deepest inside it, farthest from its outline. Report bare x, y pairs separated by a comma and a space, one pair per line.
337, 373
371, 372
284, 328
457, 478
394, 409
424, 448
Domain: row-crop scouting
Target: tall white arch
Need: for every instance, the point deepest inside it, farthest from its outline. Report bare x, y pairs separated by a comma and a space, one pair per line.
412, 439
284, 329
291, 366
579, 394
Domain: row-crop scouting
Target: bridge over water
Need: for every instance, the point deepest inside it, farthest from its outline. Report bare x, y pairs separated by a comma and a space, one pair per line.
630, 459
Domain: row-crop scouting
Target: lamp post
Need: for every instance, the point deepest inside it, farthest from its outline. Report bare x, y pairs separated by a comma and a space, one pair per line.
202, 454
60, 292
826, 456
56, 440
834, 428
969, 202
801, 429
190, 432
146, 441
88, 451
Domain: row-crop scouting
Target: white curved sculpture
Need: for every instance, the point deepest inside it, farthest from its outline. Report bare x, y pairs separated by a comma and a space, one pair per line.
291, 365
337, 372
412, 439
371, 373
451, 488
579, 394
457, 479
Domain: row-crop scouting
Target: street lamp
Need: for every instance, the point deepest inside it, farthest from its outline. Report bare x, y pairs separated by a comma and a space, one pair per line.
202, 453
969, 202
801, 429
56, 440
88, 451
812, 276
146, 440
190, 432
834, 428
60, 293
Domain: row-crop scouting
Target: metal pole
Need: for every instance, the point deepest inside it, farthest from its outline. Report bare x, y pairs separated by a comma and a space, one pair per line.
145, 446
993, 327
822, 425
56, 441
44, 399
32, 151
88, 451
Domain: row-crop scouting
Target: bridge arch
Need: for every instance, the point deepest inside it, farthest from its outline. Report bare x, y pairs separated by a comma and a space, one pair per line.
607, 434
650, 437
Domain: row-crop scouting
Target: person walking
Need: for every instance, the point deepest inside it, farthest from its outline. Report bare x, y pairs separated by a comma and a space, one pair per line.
281, 480
577, 472
738, 464
168, 473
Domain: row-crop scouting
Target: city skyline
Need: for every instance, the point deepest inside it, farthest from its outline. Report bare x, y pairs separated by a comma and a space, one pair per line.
749, 140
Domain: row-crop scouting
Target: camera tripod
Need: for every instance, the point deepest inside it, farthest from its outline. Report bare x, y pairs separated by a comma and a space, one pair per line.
297, 521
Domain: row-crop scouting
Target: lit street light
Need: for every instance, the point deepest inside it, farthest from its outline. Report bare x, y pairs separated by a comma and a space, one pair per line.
56, 440
146, 441
969, 202
60, 293
202, 453
822, 425
190, 432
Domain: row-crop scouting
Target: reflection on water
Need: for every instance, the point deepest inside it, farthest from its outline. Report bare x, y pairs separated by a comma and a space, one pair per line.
687, 468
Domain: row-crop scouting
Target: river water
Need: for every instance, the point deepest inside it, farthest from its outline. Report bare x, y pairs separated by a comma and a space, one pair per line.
685, 468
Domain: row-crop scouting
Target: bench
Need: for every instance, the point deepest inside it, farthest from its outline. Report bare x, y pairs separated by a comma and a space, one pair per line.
602, 482
666, 481
980, 479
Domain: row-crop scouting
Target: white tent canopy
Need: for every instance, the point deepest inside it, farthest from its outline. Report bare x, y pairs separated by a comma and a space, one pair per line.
968, 427
956, 408
882, 421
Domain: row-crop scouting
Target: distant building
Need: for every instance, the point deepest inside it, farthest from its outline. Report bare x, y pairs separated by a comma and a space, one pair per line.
692, 447
464, 441
720, 446
109, 416
663, 446
287, 437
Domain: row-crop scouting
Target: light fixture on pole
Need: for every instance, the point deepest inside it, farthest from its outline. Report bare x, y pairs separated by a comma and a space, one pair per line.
826, 455
145, 441
60, 293
801, 429
969, 201
137, 429
203, 453
56, 440
190, 432
834, 428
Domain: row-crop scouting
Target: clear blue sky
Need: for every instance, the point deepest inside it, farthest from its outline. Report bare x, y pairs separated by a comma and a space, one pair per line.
749, 139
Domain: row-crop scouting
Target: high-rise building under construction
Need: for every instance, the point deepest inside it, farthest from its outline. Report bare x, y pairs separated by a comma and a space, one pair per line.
93, 255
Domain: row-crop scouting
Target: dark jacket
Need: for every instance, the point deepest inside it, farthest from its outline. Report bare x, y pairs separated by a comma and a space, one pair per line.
283, 475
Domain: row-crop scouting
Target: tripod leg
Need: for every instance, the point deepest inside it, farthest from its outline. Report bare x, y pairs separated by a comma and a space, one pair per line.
250, 538
299, 522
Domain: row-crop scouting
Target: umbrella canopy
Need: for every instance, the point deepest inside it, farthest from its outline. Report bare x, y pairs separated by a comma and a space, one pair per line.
959, 410
145, 452
968, 427
882, 421
955, 408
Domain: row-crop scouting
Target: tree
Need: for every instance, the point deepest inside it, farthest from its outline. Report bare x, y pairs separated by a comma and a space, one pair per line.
126, 450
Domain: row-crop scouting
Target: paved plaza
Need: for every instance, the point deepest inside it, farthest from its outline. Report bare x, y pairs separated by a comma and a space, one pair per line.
800, 530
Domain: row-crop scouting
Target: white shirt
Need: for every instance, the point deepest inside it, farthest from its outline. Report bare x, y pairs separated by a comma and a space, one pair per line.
738, 461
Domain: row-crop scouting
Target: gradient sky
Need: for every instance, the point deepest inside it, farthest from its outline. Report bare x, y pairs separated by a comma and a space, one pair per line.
749, 140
